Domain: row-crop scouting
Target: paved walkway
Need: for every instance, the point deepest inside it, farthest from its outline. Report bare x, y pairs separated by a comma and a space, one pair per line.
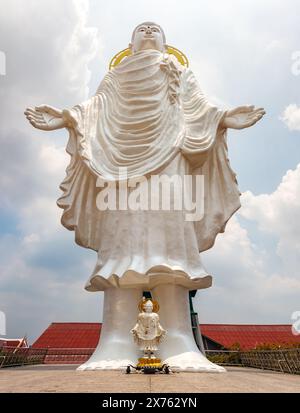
65, 379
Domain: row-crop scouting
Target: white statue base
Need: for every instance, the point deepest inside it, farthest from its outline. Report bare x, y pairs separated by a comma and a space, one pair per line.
186, 362
116, 349
179, 349
106, 365
193, 362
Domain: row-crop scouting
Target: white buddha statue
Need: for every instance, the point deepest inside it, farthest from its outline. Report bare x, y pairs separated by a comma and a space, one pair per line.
148, 332
149, 118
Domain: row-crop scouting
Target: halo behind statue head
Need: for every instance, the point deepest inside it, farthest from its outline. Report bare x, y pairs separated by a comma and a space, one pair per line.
119, 57
154, 302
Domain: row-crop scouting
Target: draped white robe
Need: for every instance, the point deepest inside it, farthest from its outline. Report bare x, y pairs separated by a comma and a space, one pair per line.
148, 332
149, 116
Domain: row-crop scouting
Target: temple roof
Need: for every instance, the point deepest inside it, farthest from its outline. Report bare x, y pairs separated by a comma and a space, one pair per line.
86, 335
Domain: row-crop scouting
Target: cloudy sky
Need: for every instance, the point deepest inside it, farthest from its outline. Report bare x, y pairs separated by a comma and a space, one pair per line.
57, 52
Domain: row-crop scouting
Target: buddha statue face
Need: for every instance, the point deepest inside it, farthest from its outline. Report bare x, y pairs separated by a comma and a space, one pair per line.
148, 35
148, 307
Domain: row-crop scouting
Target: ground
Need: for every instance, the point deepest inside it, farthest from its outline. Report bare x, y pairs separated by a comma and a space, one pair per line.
65, 379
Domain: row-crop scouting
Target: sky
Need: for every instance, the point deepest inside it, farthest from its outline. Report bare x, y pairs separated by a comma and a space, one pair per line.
57, 52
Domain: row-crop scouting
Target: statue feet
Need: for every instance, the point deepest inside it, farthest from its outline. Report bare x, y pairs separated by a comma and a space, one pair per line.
192, 361
113, 355
116, 349
109, 364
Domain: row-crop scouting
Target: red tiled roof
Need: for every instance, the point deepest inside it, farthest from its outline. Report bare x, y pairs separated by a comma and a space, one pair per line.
69, 335
86, 335
21, 342
249, 335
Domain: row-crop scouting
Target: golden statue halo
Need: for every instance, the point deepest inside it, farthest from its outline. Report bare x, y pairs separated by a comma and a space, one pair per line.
117, 59
144, 300
181, 57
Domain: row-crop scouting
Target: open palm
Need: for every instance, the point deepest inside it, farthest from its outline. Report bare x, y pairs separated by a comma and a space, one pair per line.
243, 117
45, 117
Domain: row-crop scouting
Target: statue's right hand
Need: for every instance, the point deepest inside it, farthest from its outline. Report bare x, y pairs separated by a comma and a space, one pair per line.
45, 117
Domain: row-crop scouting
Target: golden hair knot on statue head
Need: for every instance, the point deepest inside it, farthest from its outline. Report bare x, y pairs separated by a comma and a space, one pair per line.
119, 57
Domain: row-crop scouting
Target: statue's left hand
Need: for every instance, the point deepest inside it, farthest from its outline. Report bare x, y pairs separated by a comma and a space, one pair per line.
242, 117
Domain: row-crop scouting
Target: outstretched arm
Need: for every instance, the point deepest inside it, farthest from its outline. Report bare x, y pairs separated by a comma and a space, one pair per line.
242, 117
46, 118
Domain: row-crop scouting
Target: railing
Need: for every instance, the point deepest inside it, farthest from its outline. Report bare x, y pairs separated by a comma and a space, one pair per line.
68, 356
224, 357
11, 356
286, 360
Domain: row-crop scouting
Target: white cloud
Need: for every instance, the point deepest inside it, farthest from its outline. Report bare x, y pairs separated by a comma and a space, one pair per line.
279, 214
291, 117
33, 296
42, 271
54, 159
245, 289
245, 281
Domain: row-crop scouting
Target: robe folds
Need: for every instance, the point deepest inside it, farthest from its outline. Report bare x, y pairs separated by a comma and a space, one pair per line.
148, 332
149, 117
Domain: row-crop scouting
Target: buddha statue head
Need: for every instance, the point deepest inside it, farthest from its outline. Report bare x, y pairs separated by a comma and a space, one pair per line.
148, 306
148, 35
